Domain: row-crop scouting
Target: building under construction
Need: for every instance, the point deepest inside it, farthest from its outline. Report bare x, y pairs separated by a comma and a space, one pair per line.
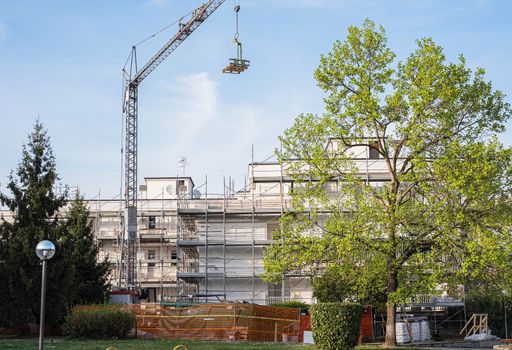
196, 246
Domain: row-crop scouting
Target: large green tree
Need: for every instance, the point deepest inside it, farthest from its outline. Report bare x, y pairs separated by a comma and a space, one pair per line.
73, 274
435, 211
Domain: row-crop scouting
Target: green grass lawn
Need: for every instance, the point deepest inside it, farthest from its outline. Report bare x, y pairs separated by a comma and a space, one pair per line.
140, 344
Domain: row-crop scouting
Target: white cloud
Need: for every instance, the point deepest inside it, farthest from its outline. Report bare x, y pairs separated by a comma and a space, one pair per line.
195, 101
199, 118
195, 120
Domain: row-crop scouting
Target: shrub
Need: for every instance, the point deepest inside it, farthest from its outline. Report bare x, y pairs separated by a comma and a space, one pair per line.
338, 284
98, 322
294, 304
336, 326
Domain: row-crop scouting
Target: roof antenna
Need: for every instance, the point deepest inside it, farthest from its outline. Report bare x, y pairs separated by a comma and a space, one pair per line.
183, 162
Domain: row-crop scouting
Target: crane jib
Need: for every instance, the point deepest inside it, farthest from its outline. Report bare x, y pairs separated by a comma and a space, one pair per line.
198, 17
128, 266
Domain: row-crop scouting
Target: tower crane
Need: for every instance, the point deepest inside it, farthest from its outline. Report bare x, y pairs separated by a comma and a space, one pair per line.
133, 78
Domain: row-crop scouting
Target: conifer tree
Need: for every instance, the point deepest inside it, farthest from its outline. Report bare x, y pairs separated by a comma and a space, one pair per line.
35, 206
90, 277
74, 276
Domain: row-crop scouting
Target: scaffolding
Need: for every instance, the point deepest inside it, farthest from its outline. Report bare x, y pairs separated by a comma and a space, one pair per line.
202, 248
220, 243
156, 243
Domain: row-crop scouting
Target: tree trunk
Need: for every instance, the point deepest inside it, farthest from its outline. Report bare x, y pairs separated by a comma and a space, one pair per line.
390, 340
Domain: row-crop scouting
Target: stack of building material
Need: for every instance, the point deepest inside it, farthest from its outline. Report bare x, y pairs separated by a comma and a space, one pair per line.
402, 333
410, 330
415, 330
425, 330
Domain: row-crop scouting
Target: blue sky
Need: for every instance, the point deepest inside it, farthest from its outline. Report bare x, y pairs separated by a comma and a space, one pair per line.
62, 60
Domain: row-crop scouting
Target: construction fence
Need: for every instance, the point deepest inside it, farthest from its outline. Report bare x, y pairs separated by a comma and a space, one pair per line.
224, 321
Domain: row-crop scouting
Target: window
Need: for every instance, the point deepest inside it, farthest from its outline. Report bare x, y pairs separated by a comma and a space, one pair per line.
275, 290
373, 150
152, 222
151, 256
182, 188
174, 257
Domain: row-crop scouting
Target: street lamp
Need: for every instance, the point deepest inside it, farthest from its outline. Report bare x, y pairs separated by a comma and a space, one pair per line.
45, 251
505, 311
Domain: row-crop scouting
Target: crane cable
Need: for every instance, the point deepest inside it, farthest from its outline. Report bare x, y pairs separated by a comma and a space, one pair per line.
163, 29
155, 34
236, 9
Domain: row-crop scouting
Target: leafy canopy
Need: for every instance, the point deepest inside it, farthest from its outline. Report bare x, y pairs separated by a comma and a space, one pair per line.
434, 207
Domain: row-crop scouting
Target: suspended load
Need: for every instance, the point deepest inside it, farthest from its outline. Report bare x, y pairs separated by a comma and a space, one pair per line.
237, 65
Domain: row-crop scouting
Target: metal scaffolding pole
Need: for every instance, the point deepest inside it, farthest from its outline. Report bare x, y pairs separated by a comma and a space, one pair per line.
224, 242
206, 243
252, 225
161, 248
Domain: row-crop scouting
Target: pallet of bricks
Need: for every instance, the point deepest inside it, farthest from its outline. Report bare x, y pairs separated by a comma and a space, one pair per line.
224, 321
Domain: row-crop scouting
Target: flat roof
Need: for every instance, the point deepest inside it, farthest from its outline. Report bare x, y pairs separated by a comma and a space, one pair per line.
169, 178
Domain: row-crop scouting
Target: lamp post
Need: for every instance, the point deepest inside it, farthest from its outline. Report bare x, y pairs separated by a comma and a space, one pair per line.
504, 294
45, 251
505, 311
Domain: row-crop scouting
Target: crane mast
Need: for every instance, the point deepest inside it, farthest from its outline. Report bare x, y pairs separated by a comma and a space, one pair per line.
130, 111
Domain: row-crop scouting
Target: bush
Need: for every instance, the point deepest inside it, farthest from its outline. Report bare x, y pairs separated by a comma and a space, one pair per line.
338, 284
294, 304
335, 285
98, 322
336, 326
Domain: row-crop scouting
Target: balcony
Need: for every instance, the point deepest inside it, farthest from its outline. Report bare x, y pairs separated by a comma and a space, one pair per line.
156, 273
156, 235
106, 234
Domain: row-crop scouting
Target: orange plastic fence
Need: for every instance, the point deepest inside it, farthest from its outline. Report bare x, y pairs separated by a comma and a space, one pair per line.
218, 322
